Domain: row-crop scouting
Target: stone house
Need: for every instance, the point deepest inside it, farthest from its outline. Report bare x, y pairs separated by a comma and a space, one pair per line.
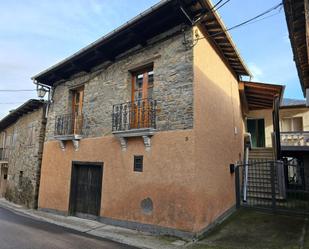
144, 123
21, 141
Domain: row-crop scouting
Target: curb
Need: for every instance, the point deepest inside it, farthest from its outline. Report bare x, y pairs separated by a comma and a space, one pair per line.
139, 241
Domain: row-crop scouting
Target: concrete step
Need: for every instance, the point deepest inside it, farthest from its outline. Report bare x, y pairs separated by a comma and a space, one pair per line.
260, 184
261, 154
261, 178
258, 173
261, 190
263, 196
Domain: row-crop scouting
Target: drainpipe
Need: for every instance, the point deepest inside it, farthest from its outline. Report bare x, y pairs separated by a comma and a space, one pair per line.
248, 145
307, 97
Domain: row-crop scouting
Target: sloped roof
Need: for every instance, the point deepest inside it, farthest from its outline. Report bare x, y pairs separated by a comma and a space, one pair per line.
257, 95
29, 106
297, 25
136, 32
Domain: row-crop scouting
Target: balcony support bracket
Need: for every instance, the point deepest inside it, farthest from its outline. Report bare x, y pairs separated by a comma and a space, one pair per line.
123, 143
62, 145
145, 133
147, 142
75, 144
63, 139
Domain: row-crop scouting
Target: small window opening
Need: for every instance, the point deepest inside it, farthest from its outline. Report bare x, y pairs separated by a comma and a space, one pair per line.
138, 163
21, 174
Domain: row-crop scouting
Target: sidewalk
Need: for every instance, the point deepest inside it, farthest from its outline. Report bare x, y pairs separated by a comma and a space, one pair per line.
118, 234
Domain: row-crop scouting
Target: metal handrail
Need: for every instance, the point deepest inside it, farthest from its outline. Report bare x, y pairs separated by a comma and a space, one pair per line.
134, 115
69, 124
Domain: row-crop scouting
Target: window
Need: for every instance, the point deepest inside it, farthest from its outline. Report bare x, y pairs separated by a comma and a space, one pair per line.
77, 109
31, 134
142, 93
142, 84
14, 138
138, 163
2, 140
292, 124
8, 141
77, 101
20, 180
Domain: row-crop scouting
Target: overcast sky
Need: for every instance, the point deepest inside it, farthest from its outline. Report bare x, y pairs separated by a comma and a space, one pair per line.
36, 34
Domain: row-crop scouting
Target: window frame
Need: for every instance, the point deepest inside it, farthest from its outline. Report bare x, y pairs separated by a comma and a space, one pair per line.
291, 123
136, 167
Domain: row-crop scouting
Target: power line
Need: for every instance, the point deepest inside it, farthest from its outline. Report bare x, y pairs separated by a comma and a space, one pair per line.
17, 90
249, 21
256, 17
11, 103
213, 7
220, 5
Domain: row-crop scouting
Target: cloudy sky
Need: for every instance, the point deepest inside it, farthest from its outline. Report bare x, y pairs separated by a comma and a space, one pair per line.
36, 34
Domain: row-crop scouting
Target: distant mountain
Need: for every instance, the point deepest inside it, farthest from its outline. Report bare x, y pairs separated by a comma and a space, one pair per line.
292, 102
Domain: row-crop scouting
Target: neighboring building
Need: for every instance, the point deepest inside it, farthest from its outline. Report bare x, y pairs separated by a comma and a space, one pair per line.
293, 122
275, 171
294, 134
297, 17
144, 123
21, 141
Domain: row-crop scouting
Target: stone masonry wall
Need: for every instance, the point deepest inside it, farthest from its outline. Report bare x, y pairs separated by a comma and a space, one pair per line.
22, 188
173, 87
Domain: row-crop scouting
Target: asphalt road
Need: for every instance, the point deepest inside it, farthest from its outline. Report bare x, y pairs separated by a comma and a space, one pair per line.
21, 232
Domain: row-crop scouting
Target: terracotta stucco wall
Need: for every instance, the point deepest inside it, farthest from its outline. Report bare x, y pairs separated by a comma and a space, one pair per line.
218, 129
186, 173
169, 178
268, 121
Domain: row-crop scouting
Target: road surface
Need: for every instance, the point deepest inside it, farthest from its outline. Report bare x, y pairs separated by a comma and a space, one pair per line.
21, 232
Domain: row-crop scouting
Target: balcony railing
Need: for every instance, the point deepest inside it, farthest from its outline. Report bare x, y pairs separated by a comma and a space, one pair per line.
4, 154
300, 138
140, 114
68, 124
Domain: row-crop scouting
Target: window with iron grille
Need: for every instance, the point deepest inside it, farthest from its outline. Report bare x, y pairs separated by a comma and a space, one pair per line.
138, 163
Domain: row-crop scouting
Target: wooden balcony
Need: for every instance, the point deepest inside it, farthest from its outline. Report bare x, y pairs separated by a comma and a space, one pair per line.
295, 140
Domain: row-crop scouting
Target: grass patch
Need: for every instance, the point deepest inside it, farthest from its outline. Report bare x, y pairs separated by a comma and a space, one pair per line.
248, 229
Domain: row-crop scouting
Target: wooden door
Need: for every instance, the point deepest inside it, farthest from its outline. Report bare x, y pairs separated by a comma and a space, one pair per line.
256, 127
142, 90
3, 180
77, 108
86, 186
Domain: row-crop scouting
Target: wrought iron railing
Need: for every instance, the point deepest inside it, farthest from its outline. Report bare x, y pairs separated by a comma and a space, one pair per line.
134, 115
274, 185
292, 138
69, 124
4, 154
